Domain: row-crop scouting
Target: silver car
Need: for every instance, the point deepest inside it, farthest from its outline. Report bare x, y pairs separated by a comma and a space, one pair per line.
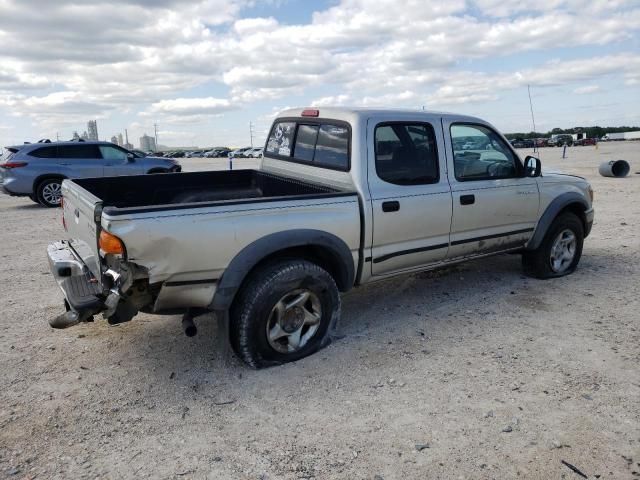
37, 170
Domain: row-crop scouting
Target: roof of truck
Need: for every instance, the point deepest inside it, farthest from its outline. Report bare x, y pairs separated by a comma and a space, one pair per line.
340, 112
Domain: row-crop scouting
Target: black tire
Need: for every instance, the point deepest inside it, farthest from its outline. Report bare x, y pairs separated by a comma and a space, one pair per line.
44, 192
538, 263
253, 311
158, 170
33, 198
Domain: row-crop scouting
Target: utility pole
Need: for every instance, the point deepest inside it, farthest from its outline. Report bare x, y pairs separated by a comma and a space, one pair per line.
126, 134
155, 130
251, 132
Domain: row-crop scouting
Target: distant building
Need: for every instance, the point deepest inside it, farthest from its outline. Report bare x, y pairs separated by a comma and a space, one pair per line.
120, 140
92, 129
127, 145
75, 137
147, 143
84, 136
114, 139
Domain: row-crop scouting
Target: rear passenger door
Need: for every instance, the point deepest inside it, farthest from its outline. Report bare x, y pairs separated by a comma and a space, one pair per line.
410, 195
495, 207
79, 160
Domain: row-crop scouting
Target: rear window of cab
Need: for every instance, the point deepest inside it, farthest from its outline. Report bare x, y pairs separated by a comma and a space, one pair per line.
321, 143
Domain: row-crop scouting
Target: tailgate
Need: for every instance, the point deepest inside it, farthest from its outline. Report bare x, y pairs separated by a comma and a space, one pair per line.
81, 209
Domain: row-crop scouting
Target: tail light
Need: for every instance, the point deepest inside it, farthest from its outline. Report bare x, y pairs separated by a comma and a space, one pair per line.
13, 164
310, 112
109, 243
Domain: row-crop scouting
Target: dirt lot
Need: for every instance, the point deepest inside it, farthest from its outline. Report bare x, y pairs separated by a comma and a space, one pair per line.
476, 372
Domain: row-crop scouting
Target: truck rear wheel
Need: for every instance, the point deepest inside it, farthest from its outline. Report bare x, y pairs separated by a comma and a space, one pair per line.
560, 250
284, 313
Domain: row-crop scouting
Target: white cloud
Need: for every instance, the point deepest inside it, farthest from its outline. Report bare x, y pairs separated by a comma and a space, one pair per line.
587, 89
147, 56
332, 100
192, 106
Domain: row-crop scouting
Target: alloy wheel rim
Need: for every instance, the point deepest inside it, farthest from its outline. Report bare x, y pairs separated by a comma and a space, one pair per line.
563, 251
52, 192
293, 321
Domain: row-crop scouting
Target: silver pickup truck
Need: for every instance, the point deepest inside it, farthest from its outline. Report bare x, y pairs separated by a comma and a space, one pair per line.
343, 197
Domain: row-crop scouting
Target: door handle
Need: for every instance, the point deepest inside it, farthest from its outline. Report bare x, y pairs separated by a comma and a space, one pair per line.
467, 199
390, 206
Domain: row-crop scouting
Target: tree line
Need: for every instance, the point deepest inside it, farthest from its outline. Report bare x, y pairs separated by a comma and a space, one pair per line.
592, 132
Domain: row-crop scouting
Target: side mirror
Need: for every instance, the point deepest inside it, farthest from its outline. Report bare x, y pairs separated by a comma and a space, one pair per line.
131, 157
532, 166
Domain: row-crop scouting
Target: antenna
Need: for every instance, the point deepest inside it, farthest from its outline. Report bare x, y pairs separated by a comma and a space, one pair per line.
533, 120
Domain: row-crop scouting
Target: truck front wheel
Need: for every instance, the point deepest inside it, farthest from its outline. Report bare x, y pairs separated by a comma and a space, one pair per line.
284, 313
560, 250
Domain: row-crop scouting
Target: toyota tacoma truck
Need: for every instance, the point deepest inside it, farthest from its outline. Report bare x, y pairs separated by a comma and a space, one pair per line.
343, 197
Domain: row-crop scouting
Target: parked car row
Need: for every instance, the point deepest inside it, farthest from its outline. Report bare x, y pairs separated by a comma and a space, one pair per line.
247, 152
218, 152
583, 142
557, 141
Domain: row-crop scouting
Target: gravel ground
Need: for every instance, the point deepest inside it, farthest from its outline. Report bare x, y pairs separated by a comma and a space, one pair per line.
472, 372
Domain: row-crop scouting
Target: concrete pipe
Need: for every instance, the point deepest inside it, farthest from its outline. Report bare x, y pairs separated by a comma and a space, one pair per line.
614, 168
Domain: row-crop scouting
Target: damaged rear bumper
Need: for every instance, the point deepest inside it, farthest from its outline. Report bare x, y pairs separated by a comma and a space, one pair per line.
83, 293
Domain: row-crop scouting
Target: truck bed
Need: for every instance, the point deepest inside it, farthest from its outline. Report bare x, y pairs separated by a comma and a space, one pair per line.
133, 194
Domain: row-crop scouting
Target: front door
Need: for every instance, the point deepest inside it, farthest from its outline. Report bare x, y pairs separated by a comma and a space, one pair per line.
410, 195
495, 207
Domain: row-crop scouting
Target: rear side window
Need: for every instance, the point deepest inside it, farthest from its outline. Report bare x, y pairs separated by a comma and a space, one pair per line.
306, 142
281, 139
332, 148
322, 143
78, 151
44, 152
406, 153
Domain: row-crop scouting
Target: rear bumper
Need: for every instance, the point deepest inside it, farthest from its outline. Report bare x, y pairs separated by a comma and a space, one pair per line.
12, 186
82, 291
6, 191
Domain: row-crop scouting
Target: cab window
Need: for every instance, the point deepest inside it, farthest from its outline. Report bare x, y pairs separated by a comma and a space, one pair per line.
318, 143
479, 153
406, 153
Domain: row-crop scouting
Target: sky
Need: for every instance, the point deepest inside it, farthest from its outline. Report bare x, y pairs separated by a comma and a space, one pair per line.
204, 70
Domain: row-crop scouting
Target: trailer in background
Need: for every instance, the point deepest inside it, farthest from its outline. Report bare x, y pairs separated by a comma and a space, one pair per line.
622, 136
